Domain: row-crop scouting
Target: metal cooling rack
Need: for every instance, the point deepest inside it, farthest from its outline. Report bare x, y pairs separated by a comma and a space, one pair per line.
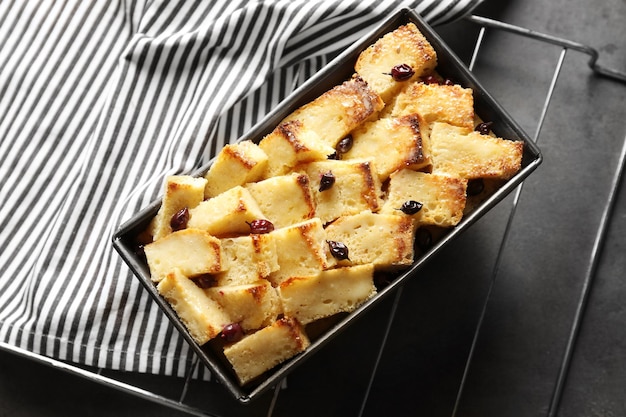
179, 396
607, 212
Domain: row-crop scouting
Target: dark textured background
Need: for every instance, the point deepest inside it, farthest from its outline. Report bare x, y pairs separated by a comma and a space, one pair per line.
534, 295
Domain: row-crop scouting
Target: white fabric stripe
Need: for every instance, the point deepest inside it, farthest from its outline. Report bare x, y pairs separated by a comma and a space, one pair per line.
446, 12
131, 358
300, 46
425, 7
138, 169
463, 8
29, 55
39, 199
14, 24
229, 92
246, 114
67, 227
96, 203
190, 78
440, 10
44, 210
8, 8
59, 42
18, 181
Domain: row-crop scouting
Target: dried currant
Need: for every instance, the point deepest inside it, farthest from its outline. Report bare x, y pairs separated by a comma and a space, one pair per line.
260, 226
140, 251
205, 281
338, 250
402, 72
179, 219
430, 79
345, 144
483, 128
411, 207
326, 181
475, 186
382, 279
232, 332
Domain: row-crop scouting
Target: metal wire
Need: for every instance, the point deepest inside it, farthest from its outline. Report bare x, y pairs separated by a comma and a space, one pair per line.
594, 259
565, 43
96, 376
510, 218
607, 214
381, 349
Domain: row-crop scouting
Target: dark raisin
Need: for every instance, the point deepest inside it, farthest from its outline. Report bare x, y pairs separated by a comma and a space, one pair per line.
475, 186
232, 332
402, 72
483, 128
140, 251
326, 181
423, 239
382, 279
411, 207
205, 281
345, 144
338, 250
260, 226
179, 219
430, 79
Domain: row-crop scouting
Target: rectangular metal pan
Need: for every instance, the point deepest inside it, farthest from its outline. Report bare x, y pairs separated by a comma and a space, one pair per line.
337, 71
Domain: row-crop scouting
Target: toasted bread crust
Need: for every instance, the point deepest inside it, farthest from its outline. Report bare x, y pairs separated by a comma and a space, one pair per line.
338, 111
405, 45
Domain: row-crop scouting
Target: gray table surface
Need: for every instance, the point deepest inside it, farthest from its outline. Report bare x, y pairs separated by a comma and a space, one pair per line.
532, 296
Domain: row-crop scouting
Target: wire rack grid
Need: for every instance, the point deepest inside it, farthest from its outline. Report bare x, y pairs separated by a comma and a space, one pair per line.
180, 398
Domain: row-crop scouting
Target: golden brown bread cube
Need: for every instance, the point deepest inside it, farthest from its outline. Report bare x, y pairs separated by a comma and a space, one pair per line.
227, 214
253, 305
356, 188
393, 143
192, 251
338, 111
442, 197
285, 200
309, 298
236, 164
301, 250
381, 239
266, 348
247, 259
405, 45
290, 144
203, 317
464, 153
181, 191
451, 104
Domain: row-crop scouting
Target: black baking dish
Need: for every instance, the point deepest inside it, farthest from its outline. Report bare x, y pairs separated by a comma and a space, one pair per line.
337, 71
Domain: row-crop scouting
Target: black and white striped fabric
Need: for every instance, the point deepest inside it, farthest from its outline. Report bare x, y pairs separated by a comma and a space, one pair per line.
99, 101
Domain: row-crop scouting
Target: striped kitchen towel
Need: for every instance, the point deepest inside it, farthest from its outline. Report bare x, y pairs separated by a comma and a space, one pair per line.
99, 101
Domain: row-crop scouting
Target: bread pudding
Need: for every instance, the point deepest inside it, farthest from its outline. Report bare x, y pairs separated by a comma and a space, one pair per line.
277, 236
